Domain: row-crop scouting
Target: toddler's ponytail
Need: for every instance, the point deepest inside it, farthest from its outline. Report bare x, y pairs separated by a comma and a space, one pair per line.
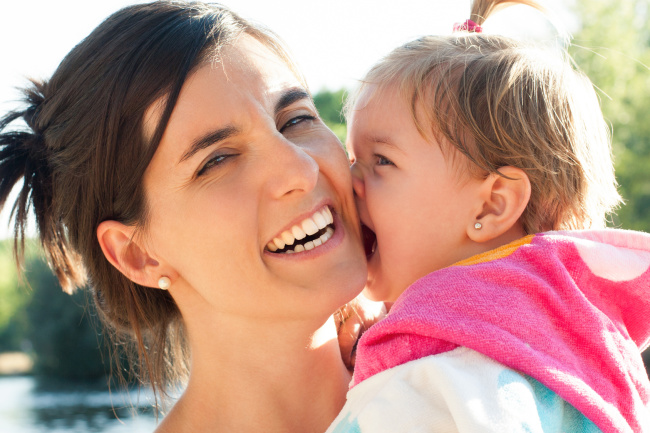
24, 154
483, 9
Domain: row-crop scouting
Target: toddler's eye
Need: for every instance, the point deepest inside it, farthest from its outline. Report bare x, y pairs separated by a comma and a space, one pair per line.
382, 160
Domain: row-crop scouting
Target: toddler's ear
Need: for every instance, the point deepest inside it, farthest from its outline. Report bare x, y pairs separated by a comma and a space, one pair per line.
503, 198
126, 255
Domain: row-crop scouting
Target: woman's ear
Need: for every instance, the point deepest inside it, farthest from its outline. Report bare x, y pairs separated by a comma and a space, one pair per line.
120, 249
503, 198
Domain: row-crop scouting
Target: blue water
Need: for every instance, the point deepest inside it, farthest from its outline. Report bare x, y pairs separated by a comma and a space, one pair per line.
26, 409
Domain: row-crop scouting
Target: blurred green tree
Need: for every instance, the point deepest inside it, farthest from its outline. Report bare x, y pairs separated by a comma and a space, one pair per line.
62, 330
36, 316
14, 296
329, 105
612, 47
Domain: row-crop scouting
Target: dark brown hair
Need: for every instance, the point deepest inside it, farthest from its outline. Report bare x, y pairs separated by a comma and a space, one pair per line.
84, 153
501, 102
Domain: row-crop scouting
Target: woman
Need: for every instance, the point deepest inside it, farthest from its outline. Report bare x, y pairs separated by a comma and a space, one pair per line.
176, 160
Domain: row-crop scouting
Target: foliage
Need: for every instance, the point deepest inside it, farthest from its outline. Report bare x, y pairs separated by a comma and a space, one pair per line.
15, 295
37, 314
613, 49
62, 331
329, 105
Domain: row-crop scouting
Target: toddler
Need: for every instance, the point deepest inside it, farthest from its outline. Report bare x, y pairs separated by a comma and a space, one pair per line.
483, 170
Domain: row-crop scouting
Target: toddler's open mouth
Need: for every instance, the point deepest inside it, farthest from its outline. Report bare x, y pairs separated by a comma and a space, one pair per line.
369, 240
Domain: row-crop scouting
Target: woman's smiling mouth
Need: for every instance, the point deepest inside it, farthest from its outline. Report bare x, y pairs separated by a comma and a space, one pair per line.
310, 233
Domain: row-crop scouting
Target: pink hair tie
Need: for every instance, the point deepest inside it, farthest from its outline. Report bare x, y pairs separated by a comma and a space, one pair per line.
468, 26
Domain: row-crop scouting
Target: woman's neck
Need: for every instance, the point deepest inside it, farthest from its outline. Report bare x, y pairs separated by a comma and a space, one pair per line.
262, 376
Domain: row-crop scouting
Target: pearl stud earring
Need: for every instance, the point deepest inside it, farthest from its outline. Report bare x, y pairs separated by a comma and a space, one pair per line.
164, 283
478, 226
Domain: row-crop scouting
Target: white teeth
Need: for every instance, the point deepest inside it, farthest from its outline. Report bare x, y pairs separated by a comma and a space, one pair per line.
320, 221
309, 226
327, 235
328, 214
287, 237
298, 233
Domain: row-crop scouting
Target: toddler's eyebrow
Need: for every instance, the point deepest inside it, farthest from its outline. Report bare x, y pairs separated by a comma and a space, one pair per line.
379, 139
385, 140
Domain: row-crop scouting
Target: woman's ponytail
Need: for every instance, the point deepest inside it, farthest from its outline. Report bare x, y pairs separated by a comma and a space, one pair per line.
25, 154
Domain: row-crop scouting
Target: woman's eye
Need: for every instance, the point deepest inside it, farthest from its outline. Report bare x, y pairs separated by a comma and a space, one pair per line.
297, 120
213, 162
382, 160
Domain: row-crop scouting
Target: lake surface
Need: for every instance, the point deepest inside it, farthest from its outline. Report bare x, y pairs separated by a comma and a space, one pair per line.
24, 408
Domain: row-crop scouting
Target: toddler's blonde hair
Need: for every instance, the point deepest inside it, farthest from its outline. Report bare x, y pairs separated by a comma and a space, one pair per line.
501, 102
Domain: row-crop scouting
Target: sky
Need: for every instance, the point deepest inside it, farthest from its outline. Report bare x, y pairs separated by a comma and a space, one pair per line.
333, 41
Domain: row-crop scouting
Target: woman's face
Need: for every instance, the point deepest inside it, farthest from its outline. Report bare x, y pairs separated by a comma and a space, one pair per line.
246, 160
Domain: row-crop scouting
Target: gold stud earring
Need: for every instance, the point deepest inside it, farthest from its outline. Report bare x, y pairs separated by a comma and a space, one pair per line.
164, 283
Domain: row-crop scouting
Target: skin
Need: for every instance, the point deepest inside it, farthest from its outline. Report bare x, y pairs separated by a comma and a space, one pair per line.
260, 330
419, 202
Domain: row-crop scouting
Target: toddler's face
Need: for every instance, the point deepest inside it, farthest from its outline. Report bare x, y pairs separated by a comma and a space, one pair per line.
416, 201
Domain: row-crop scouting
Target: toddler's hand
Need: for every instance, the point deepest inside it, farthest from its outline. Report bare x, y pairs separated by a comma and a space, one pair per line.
352, 320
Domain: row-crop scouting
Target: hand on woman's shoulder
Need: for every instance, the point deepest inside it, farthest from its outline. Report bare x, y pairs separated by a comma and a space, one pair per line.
353, 319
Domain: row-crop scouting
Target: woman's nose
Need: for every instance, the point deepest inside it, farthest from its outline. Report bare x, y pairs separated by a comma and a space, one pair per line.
357, 181
294, 169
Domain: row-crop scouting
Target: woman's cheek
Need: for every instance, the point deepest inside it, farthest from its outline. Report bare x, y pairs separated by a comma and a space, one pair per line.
343, 163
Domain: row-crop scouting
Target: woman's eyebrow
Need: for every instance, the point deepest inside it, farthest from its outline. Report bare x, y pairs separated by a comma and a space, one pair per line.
209, 139
290, 96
